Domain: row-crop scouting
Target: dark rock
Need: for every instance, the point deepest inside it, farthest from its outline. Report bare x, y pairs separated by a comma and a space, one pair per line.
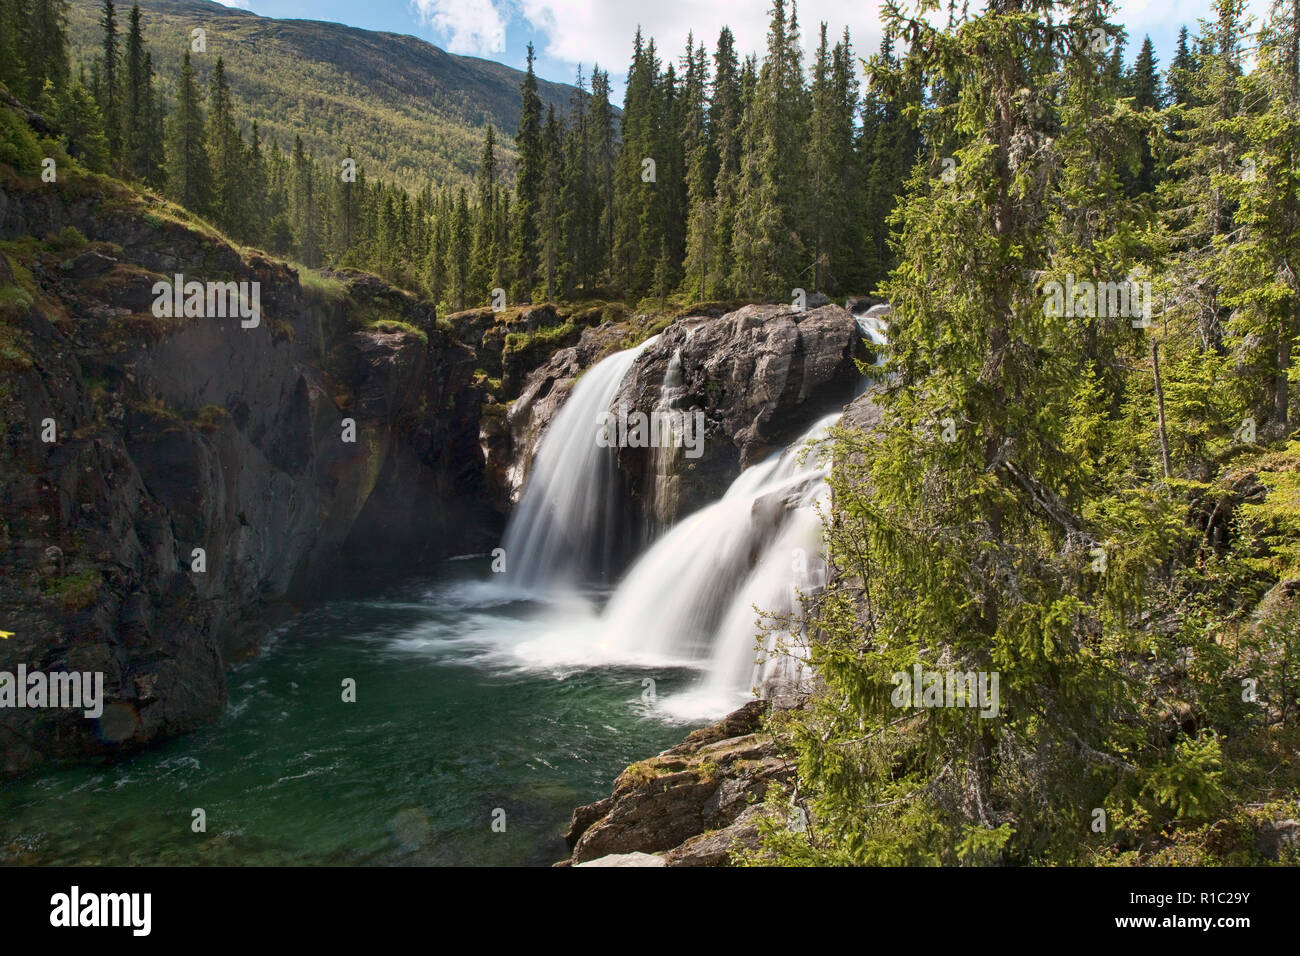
710, 784
760, 375
175, 435
1278, 838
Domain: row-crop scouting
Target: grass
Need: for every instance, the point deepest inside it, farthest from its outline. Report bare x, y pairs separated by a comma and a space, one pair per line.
551, 337
324, 290
75, 592
393, 325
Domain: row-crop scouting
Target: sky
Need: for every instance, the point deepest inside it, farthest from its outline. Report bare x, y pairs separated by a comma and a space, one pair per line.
572, 33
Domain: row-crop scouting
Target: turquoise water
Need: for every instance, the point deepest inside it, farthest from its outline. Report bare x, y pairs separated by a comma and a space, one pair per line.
450, 725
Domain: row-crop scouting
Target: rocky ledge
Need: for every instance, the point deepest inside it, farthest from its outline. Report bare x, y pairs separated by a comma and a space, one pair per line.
697, 804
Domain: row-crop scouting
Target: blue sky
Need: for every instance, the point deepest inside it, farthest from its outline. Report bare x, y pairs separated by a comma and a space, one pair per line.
567, 33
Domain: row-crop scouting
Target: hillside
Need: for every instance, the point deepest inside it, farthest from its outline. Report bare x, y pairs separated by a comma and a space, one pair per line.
411, 112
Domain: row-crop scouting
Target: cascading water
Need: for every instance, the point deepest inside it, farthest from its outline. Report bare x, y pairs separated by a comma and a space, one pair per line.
693, 596
711, 584
690, 598
569, 517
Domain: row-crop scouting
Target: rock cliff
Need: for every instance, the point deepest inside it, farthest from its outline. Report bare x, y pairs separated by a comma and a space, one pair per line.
170, 486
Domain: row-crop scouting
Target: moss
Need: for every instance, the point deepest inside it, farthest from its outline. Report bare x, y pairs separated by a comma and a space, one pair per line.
210, 417
642, 771
320, 289
75, 592
550, 337
393, 325
707, 770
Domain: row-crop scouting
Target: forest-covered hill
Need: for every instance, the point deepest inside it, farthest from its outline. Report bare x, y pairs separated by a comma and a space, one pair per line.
412, 113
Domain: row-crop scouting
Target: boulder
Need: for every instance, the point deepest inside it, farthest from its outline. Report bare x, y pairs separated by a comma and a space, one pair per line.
760, 376
691, 803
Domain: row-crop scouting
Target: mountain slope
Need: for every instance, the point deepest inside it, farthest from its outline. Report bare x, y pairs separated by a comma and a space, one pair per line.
412, 113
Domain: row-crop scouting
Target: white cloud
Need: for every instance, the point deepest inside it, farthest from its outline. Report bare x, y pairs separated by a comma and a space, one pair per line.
468, 26
587, 31
237, 4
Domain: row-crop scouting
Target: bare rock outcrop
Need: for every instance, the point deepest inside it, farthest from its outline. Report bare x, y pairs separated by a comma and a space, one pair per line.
692, 805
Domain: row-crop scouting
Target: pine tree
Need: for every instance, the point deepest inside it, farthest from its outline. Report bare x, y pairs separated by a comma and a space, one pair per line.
635, 202
1144, 84
603, 153
458, 252
967, 499
136, 98
848, 235
486, 252
770, 254
701, 175
82, 124
258, 187
1181, 71
550, 237
189, 176
110, 86
225, 155
13, 71
530, 169
305, 209
1208, 154
1259, 281
45, 46
1147, 94
726, 109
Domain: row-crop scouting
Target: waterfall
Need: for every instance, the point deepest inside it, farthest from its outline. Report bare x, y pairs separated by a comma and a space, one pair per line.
690, 598
570, 517
698, 594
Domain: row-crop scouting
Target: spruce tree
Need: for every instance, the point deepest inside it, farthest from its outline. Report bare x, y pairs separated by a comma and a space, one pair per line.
726, 110
458, 252
13, 70
45, 46
770, 256
225, 155
530, 169
189, 176
110, 87
1256, 269
550, 237
483, 274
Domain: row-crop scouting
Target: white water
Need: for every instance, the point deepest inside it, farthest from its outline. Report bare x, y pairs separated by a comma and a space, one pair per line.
722, 590
569, 516
690, 598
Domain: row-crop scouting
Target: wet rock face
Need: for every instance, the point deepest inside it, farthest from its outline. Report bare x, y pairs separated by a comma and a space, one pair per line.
760, 376
543, 392
188, 443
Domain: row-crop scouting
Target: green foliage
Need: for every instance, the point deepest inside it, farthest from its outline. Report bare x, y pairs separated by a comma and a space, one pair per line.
420, 112
18, 144
393, 325
1012, 513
